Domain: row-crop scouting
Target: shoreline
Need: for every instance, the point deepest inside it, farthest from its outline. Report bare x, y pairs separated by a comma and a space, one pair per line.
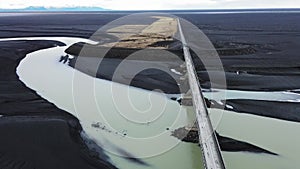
227, 148
226, 144
274, 58
22, 102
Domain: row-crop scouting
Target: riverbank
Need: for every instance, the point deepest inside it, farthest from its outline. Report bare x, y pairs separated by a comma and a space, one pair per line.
263, 45
33, 127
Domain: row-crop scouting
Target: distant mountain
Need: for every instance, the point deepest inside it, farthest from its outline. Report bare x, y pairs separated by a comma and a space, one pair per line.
45, 9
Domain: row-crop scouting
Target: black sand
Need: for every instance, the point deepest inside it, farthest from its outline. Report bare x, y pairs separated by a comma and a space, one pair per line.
271, 48
150, 79
226, 144
289, 111
251, 44
254, 44
45, 142
35, 133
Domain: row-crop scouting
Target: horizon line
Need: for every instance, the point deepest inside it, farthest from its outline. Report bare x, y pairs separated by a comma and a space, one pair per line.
27, 9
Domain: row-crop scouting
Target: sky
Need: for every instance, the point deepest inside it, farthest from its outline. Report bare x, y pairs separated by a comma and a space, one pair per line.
153, 4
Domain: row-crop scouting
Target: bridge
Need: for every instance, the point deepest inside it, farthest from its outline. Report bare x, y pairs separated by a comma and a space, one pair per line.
135, 37
207, 138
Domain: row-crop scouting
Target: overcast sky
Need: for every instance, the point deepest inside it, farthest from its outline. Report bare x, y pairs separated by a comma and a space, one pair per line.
154, 4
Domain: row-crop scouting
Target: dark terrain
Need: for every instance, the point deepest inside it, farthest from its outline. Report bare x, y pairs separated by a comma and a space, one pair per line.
274, 109
226, 144
37, 134
259, 52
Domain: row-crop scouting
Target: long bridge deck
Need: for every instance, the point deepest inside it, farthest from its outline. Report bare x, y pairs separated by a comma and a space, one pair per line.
207, 138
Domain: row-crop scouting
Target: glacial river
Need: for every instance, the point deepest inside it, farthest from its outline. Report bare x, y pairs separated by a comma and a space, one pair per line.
114, 126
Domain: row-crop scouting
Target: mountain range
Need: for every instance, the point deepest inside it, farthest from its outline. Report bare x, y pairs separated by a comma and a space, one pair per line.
41, 9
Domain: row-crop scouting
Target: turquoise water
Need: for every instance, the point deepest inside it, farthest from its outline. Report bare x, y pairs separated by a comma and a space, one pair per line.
149, 139
140, 128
